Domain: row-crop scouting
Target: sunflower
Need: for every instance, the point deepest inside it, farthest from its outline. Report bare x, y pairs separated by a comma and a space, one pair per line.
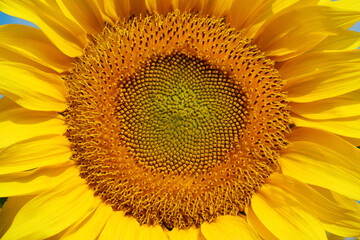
171, 119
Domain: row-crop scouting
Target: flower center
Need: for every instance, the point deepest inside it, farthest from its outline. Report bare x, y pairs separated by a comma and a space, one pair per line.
180, 115
175, 119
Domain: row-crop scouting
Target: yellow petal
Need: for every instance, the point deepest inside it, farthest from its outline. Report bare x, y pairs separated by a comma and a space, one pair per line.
111, 230
347, 105
300, 69
7, 55
35, 181
120, 227
187, 6
353, 141
9, 211
343, 4
91, 225
36, 152
327, 140
347, 127
295, 32
334, 237
32, 88
210, 232
259, 227
321, 165
324, 83
338, 199
115, 9
52, 211
310, 78
228, 227
86, 13
336, 219
347, 18
160, 6
151, 233
183, 234
29, 42
279, 37
249, 17
217, 8
346, 40
284, 216
290, 5
67, 35
18, 124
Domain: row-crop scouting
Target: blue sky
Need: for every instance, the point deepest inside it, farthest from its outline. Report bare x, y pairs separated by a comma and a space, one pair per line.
356, 27
6, 19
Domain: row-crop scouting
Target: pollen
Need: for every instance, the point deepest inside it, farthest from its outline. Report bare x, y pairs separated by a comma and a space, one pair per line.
175, 119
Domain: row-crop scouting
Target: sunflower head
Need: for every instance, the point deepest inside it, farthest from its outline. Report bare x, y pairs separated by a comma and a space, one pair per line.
180, 120
162, 113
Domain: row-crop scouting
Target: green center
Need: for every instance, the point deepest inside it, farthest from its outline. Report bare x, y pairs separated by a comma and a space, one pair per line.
180, 114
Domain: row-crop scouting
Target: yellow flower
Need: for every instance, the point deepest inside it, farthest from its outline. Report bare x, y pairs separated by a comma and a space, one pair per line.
171, 119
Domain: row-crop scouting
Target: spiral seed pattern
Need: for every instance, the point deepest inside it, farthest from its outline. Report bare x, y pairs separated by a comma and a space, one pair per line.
180, 114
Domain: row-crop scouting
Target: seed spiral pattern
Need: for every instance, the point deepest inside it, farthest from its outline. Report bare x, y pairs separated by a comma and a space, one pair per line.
175, 119
180, 114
